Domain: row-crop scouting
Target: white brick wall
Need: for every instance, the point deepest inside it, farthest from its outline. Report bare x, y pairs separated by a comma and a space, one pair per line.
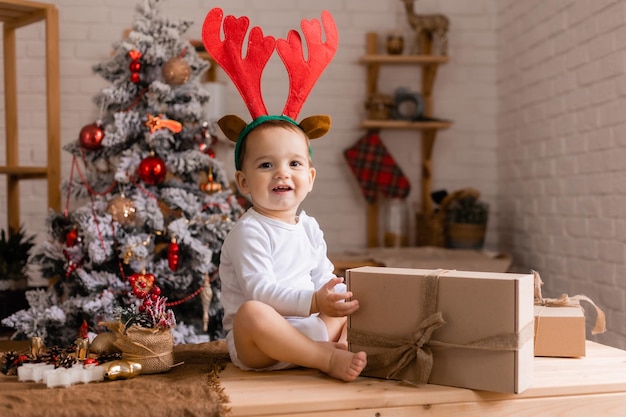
561, 126
89, 27
536, 90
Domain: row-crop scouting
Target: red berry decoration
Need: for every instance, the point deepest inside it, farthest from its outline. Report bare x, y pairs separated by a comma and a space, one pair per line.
91, 136
141, 284
135, 66
152, 170
173, 255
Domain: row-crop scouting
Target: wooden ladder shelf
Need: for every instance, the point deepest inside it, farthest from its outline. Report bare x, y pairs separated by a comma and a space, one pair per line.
15, 14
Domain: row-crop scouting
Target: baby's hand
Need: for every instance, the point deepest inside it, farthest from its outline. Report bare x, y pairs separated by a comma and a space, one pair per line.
332, 299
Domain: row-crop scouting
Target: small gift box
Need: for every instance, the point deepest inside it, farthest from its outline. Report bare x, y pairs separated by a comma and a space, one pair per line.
456, 328
560, 324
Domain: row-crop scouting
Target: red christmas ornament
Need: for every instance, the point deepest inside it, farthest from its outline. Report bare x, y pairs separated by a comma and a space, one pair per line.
207, 141
173, 255
152, 170
71, 237
71, 267
91, 136
141, 284
134, 66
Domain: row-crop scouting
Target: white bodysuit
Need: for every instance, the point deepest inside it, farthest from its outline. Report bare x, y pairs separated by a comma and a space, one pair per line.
279, 264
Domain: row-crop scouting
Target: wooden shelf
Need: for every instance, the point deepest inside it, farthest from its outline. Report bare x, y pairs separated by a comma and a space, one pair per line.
427, 130
15, 14
402, 124
403, 59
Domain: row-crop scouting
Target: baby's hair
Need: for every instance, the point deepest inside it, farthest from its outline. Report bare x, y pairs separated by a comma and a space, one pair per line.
266, 125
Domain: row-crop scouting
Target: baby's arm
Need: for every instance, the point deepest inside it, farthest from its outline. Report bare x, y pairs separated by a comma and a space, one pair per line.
333, 303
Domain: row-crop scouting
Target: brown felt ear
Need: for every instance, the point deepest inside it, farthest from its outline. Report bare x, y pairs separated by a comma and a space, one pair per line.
315, 126
232, 126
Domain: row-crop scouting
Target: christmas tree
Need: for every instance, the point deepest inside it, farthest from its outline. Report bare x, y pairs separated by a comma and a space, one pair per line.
156, 204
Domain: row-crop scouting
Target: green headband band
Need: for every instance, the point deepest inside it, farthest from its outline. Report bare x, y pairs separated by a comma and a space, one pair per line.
256, 122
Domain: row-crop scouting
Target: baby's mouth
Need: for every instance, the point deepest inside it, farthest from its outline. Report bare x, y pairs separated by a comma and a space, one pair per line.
282, 188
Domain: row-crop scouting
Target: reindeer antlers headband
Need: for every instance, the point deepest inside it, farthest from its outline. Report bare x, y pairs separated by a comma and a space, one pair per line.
246, 72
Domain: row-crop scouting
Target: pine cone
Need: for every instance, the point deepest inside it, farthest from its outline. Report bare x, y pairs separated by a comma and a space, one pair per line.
8, 363
65, 361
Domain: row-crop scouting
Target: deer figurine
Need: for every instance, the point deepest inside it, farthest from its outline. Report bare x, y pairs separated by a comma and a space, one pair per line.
427, 25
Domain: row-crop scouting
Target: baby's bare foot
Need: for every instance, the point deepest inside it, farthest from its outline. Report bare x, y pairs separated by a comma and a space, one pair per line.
346, 365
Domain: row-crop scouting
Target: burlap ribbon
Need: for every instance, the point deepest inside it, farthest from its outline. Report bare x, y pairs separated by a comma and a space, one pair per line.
402, 353
566, 301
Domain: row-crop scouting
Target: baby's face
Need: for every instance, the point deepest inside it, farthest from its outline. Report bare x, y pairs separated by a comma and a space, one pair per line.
276, 171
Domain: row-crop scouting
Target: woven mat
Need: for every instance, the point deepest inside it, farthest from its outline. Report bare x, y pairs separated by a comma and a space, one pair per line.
191, 389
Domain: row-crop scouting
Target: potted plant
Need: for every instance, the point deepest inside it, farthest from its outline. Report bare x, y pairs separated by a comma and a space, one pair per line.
466, 218
14, 252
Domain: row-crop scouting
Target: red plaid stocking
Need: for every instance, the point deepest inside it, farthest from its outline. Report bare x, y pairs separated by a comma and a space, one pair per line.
376, 170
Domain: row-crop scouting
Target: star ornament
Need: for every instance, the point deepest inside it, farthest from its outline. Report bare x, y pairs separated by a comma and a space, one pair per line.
155, 123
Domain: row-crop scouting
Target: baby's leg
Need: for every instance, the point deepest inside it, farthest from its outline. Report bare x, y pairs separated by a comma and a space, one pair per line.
337, 328
263, 337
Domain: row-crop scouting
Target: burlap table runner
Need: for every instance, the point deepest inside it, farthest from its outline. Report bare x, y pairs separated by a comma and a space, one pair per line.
192, 389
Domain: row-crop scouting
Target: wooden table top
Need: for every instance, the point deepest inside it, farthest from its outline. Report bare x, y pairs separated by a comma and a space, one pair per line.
592, 386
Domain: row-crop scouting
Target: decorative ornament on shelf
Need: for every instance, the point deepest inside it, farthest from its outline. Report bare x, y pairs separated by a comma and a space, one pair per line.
176, 71
152, 170
173, 255
427, 25
122, 210
91, 136
135, 66
408, 105
210, 186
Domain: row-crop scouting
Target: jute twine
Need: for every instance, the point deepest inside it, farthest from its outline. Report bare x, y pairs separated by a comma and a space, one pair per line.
566, 301
152, 348
403, 353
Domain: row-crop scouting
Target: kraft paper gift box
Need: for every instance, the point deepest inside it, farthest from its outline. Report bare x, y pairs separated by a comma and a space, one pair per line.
456, 328
560, 323
559, 331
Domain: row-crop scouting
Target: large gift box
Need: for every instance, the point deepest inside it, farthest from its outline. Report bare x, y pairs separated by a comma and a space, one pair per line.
456, 328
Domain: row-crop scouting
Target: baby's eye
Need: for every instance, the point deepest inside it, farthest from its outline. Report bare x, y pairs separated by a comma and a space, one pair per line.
265, 165
296, 164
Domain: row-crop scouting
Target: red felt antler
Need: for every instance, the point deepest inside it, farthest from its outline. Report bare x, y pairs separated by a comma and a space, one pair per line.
245, 73
302, 74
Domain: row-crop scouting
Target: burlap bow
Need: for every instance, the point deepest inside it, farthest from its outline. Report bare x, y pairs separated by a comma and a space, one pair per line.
566, 301
416, 352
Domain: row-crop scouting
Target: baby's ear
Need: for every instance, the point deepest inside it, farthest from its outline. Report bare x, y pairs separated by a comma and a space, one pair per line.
315, 126
232, 126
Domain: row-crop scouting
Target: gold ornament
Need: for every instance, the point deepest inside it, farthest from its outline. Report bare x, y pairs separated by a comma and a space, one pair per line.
121, 369
82, 348
176, 71
37, 347
206, 295
122, 210
210, 186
